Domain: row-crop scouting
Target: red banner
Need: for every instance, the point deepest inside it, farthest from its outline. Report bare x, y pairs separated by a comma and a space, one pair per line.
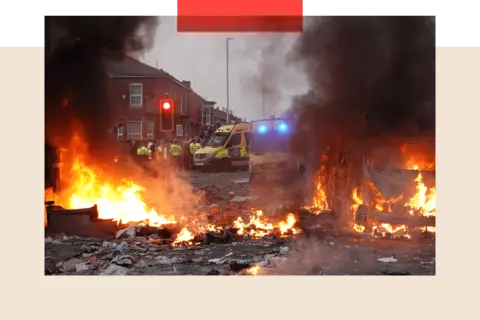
239, 16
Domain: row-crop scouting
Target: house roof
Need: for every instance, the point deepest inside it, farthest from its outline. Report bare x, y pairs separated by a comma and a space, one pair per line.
126, 66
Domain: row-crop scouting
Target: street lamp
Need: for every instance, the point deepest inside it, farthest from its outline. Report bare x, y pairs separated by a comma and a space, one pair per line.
228, 82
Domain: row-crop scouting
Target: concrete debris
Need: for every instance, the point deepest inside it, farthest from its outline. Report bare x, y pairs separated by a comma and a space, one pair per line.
283, 250
91, 248
128, 232
84, 266
122, 247
277, 261
387, 260
123, 260
241, 181
221, 260
59, 265
166, 260
115, 270
107, 244
71, 265
140, 264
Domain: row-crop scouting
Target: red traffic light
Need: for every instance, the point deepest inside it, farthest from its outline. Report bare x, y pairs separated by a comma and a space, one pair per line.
166, 105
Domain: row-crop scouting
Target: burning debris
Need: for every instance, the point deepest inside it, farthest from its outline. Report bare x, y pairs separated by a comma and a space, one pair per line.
372, 103
123, 204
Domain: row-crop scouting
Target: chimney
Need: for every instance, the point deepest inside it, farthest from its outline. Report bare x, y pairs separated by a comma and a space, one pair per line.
187, 84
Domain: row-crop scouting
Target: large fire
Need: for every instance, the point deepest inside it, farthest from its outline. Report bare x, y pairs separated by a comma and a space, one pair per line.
421, 203
123, 201
120, 201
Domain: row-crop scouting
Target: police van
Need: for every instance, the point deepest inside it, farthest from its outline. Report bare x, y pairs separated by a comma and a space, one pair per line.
271, 159
226, 148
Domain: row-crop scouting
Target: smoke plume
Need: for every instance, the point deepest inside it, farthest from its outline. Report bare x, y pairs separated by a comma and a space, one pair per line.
370, 76
76, 93
270, 82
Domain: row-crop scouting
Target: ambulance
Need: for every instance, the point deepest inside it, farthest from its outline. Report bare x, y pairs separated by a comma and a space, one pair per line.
226, 148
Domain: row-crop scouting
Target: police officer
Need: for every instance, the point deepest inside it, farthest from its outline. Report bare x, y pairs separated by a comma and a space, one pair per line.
194, 147
176, 153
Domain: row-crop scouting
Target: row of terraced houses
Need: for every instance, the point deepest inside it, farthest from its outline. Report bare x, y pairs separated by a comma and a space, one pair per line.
135, 90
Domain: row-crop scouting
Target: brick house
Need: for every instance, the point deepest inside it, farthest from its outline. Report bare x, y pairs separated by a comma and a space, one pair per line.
219, 116
136, 89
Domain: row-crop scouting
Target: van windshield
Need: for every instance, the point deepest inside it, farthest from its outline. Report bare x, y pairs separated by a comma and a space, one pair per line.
218, 139
270, 142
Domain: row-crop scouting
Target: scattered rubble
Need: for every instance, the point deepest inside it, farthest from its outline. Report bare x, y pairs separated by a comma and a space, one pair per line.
143, 250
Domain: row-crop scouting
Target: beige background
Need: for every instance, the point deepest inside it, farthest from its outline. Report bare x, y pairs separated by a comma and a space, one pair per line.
27, 294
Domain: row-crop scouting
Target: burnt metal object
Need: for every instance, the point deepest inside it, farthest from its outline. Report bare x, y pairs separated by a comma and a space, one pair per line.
237, 266
217, 237
79, 222
396, 272
213, 272
364, 217
92, 212
149, 230
80, 225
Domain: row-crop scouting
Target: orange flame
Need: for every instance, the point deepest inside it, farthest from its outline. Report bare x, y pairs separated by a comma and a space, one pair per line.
253, 270
423, 202
424, 199
260, 227
121, 202
184, 237
87, 186
320, 197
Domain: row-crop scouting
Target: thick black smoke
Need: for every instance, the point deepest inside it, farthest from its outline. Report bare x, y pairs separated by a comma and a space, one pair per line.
368, 76
76, 90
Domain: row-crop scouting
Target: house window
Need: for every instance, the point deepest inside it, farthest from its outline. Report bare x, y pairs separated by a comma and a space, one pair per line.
179, 130
207, 120
120, 132
134, 130
183, 104
150, 132
136, 95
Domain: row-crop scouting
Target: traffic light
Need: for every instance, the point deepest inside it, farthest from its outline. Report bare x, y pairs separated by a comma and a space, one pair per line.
166, 115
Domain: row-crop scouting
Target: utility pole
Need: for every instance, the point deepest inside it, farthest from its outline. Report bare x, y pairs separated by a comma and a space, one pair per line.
228, 81
263, 104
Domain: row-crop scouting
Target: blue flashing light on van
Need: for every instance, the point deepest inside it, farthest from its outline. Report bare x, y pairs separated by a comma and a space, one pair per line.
282, 127
262, 129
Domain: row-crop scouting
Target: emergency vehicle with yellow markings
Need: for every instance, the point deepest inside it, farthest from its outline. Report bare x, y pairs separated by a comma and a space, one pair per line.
226, 148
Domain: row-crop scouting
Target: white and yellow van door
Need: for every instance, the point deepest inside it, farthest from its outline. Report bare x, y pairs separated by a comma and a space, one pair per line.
237, 150
246, 136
